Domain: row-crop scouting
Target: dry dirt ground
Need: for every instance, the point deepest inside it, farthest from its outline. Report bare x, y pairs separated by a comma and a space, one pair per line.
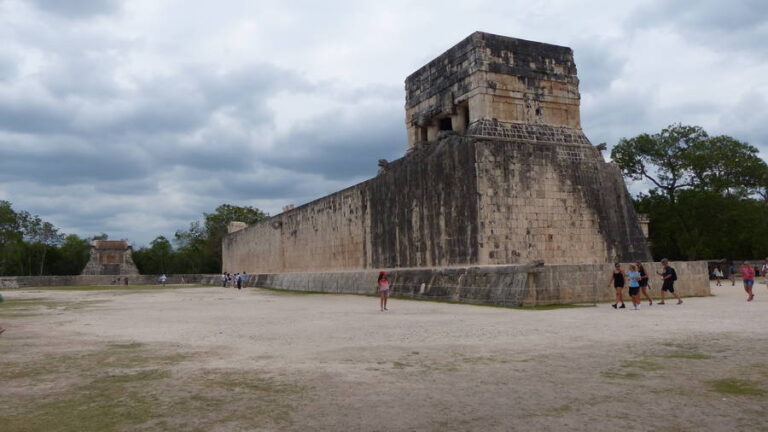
215, 359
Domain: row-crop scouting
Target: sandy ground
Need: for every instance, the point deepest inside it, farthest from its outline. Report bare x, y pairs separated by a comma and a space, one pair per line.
420, 366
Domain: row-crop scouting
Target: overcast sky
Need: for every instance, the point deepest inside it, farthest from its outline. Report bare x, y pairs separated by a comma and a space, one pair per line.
134, 117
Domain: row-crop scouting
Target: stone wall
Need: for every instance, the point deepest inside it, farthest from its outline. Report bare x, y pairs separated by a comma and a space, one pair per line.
460, 200
519, 285
553, 201
500, 285
10, 282
488, 76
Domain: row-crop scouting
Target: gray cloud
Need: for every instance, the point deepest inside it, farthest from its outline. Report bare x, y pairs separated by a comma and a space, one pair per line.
79, 8
338, 145
740, 25
136, 124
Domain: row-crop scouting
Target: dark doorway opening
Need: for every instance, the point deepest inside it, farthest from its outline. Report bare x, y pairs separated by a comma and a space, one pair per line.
446, 124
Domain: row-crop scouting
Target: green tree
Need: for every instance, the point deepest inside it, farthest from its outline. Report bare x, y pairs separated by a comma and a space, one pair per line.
199, 247
662, 158
10, 237
702, 200
72, 255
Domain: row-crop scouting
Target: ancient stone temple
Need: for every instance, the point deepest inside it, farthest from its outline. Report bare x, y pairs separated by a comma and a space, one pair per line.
110, 257
497, 171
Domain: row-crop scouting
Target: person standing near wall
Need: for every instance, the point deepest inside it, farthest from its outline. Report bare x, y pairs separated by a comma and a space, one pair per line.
619, 281
244, 278
163, 278
382, 286
669, 275
764, 271
732, 274
748, 277
644, 282
718, 275
634, 286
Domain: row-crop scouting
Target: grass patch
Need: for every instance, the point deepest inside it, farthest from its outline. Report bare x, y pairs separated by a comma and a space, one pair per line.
688, 355
525, 308
122, 346
642, 364
732, 386
24, 307
433, 300
115, 287
295, 292
613, 374
130, 386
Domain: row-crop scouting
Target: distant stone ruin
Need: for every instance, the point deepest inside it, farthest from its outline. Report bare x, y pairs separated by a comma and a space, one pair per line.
497, 172
110, 257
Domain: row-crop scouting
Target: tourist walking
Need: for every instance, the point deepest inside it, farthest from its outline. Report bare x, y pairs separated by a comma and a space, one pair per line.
224, 280
644, 282
748, 277
239, 280
634, 286
732, 274
618, 285
382, 286
162, 279
718, 275
764, 271
669, 275
244, 277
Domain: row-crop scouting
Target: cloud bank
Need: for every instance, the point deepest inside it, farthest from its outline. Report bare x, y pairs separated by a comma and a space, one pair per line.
133, 118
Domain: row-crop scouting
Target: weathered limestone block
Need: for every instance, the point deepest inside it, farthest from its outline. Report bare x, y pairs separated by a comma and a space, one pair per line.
110, 257
498, 172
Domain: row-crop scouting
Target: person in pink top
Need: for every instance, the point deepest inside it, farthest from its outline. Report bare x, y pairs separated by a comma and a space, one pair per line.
383, 289
748, 277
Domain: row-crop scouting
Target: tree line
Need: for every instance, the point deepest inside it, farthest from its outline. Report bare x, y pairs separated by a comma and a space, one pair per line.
708, 195
31, 246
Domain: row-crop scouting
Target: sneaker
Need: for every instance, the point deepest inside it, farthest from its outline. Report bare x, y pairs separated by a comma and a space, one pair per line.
614, 305
751, 296
622, 306
660, 303
635, 308
386, 309
382, 309
650, 303
679, 302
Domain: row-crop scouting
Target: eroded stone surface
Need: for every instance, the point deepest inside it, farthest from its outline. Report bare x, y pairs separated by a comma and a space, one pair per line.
510, 179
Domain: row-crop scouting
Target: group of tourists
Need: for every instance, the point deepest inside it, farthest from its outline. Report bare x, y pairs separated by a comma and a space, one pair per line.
637, 280
238, 280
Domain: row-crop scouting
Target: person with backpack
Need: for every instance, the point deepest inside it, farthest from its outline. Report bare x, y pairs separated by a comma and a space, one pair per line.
669, 275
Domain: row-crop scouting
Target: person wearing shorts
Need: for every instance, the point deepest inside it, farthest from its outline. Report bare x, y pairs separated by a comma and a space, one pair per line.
669, 276
618, 280
718, 276
382, 286
644, 282
634, 286
748, 277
